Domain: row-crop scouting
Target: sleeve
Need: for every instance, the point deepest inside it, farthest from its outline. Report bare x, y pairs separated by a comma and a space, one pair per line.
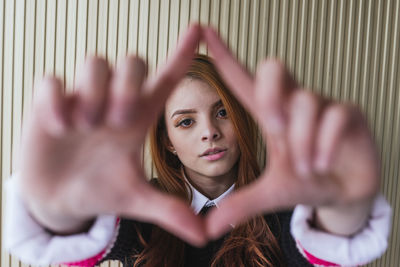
324, 249
32, 244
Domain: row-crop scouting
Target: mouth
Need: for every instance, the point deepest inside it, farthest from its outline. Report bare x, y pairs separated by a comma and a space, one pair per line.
213, 153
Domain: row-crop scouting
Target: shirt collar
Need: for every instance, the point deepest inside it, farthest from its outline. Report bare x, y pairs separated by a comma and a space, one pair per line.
199, 200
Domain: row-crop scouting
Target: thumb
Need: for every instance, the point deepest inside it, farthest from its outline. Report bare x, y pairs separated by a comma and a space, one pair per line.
265, 195
168, 212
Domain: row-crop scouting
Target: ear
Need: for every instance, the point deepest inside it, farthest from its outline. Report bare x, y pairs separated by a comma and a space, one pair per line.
171, 149
169, 145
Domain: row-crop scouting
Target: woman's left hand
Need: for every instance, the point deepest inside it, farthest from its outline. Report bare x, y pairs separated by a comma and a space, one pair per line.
320, 153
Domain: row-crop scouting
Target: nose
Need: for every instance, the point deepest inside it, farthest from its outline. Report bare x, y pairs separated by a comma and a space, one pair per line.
210, 132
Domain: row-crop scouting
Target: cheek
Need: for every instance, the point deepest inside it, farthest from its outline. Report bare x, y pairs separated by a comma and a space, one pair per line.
232, 139
181, 140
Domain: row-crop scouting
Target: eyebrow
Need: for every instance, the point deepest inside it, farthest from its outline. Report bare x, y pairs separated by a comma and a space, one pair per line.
189, 111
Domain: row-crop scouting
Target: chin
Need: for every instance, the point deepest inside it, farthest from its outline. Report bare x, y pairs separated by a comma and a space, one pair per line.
217, 171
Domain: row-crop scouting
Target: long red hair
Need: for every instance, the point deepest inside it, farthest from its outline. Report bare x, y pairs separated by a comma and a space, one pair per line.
249, 244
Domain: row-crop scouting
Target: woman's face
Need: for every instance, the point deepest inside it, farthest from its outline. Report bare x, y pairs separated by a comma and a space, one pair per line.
200, 130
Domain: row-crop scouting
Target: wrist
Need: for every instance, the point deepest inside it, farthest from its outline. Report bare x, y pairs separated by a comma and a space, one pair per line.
58, 223
345, 220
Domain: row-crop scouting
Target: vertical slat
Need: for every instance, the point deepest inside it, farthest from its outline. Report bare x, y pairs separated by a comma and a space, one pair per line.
355, 96
311, 45
123, 28
50, 41
174, 21
60, 41
82, 28
184, 14
301, 42
29, 58
376, 68
18, 58
204, 19
283, 30
223, 27
244, 31
215, 13
91, 33
40, 37
6, 126
339, 53
273, 33
293, 26
234, 27
102, 28
263, 30
158, 34
143, 28
319, 70
133, 28
3, 255
253, 36
112, 30
330, 49
395, 140
380, 115
366, 67
71, 42
390, 105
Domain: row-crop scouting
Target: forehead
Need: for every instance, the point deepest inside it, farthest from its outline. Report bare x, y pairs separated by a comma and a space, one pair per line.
191, 94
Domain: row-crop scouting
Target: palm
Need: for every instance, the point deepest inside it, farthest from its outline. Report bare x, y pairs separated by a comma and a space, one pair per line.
319, 152
352, 176
80, 167
82, 151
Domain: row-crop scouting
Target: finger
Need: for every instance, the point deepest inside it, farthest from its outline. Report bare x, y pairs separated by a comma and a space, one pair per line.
159, 88
303, 121
334, 122
254, 199
50, 107
125, 92
273, 85
234, 75
168, 212
92, 84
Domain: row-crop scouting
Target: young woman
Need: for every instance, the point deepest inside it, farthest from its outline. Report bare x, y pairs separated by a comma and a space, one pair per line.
82, 159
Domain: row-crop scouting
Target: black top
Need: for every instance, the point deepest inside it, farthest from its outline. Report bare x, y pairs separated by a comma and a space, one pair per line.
127, 242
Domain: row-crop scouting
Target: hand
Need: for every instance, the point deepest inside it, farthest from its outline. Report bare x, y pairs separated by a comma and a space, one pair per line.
320, 153
81, 152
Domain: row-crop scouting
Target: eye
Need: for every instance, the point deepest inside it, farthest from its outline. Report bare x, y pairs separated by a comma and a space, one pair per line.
185, 123
222, 113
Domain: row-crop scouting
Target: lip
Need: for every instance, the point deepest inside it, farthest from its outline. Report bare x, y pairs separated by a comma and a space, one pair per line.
213, 153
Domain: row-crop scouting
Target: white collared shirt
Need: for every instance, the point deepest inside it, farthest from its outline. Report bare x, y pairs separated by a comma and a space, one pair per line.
199, 200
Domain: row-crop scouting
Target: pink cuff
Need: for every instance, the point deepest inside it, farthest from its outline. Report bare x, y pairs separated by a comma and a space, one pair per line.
312, 259
95, 259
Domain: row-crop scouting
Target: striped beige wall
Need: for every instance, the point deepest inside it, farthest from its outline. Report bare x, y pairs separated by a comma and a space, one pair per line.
348, 50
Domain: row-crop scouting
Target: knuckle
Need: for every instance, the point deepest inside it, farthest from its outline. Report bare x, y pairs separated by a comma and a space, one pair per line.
48, 90
304, 98
272, 66
338, 112
95, 71
94, 62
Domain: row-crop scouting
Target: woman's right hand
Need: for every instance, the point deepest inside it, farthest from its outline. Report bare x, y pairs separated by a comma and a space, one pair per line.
81, 152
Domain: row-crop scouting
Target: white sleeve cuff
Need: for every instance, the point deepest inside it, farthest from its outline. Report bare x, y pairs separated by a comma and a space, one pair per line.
361, 248
32, 244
